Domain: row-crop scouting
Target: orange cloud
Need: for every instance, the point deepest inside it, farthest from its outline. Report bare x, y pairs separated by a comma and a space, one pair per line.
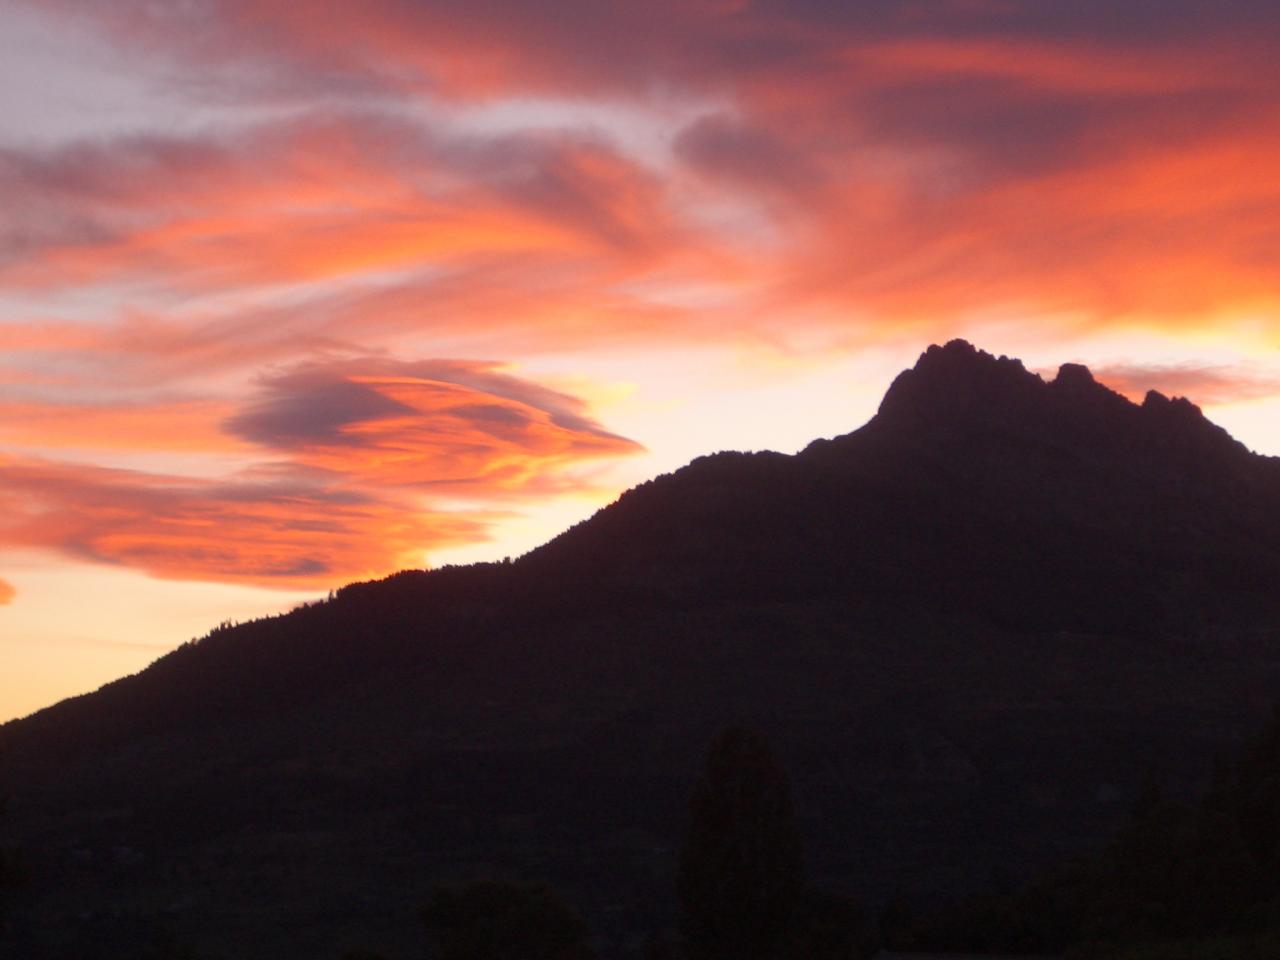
436, 424
1050, 64
355, 447
171, 425
1166, 226
7, 592
278, 534
312, 200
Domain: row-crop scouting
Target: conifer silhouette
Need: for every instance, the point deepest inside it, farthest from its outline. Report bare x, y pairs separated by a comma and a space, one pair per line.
741, 876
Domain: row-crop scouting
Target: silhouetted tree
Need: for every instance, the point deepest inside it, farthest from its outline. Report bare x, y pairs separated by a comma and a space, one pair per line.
741, 877
503, 921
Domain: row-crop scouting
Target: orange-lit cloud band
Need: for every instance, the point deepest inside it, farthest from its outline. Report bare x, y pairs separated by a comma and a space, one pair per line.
347, 452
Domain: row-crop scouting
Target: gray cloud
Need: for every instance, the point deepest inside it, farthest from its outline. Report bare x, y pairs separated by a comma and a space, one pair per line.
721, 146
311, 408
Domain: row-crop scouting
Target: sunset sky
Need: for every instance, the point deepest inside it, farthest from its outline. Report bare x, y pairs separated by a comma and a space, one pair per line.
294, 294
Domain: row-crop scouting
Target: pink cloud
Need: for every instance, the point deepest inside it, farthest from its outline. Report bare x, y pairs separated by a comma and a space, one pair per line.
316, 199
436, 424
284, 534
352, 450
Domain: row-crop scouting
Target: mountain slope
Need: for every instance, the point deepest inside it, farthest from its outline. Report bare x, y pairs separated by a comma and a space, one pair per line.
971, 627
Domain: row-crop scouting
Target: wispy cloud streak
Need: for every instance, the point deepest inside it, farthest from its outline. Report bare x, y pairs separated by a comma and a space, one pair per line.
348, 454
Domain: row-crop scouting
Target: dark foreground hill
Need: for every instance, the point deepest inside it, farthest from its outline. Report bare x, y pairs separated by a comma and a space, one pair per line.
971, 628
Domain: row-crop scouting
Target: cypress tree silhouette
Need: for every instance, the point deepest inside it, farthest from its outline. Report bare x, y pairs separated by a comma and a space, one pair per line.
741, 876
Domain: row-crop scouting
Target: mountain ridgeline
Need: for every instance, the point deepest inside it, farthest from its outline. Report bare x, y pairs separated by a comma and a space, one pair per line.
972, 628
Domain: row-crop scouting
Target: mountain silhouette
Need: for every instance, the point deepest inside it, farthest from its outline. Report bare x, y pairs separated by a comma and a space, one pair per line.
972, 628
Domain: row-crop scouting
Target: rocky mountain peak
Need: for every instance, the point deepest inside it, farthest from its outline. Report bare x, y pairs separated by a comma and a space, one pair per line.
953, 381
1075, 376
957, 390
